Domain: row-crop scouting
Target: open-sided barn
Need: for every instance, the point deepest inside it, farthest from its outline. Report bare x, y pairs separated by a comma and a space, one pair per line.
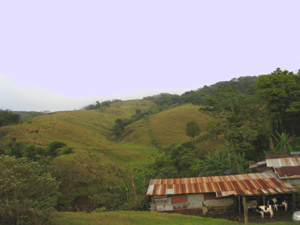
201, 194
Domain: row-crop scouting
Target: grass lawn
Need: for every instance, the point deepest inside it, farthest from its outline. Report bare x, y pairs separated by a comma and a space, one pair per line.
138, 218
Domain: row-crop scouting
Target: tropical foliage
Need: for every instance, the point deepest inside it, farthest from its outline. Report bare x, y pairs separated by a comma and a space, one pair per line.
27, 192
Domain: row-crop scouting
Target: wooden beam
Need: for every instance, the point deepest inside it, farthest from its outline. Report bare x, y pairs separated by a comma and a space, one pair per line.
264, 199
245, 211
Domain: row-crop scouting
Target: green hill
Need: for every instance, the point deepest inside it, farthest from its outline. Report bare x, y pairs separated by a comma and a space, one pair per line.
169, 126
98, 154
89, 130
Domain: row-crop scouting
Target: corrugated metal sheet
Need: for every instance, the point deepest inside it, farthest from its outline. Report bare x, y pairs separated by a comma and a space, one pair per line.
288, 172
255, 165
283, 162
285, 166
242, 184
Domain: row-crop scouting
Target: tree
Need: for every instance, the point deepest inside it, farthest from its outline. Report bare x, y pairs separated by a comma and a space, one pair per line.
231, 111
119, 127
213, 164
7, 117
218, 163
176, 161
53, 148
36, 153
106, 103
98, 104
283, 145
280, 92
192, 129
27, 192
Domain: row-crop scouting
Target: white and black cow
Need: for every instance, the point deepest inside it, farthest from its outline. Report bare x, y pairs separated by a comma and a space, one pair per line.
264, 209
275, 202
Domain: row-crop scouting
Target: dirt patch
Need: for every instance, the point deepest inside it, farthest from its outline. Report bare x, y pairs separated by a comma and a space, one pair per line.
255, 217
82, 204
126, 135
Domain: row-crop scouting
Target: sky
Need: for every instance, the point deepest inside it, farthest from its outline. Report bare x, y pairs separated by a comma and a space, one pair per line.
65, 54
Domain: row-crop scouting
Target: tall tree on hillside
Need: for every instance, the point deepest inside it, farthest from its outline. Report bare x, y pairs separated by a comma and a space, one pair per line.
98, 104
231, 109
280, 91
192, 129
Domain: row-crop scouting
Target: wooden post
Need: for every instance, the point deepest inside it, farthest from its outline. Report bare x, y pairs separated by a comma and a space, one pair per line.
294, 202
264, 199
245, 211
234, 203
236, 207
239, 205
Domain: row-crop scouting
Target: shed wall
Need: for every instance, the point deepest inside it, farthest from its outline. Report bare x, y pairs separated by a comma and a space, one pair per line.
189, 201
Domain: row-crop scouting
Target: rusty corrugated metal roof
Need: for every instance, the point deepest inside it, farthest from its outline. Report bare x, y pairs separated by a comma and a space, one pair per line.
283, 162
288, 172
285, 167
241, 184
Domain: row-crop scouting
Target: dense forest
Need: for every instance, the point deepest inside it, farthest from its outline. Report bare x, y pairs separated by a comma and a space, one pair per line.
250, 117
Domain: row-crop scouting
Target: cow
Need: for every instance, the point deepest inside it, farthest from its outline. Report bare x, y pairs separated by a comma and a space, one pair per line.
264, 209
275, 202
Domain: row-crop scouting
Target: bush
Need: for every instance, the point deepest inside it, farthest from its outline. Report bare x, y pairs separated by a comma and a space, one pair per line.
68, 150
27, 193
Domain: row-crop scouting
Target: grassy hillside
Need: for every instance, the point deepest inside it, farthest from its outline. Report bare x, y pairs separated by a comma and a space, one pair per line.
169, 126
89, 132
98, 155
86, 130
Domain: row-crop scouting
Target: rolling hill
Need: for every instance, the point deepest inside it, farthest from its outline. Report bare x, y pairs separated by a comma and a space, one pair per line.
98, 155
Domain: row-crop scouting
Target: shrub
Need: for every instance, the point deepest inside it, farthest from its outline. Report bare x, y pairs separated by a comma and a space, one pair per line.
27, 192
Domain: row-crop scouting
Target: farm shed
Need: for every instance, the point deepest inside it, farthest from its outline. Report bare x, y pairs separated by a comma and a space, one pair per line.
286, 166
201, 194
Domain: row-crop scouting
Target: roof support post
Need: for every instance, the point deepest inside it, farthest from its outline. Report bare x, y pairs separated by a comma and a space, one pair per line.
245, 211
239, 201
264, 200
234, 204
294, 202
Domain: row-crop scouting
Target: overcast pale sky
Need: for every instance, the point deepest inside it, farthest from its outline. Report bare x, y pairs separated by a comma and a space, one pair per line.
63, 55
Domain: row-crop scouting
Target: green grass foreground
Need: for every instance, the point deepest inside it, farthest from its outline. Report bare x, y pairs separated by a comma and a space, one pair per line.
133, 217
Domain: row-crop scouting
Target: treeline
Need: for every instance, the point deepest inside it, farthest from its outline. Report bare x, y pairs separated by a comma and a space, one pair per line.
197, 97
251, 123
100, 105
27, 114
257, 118
8, 117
